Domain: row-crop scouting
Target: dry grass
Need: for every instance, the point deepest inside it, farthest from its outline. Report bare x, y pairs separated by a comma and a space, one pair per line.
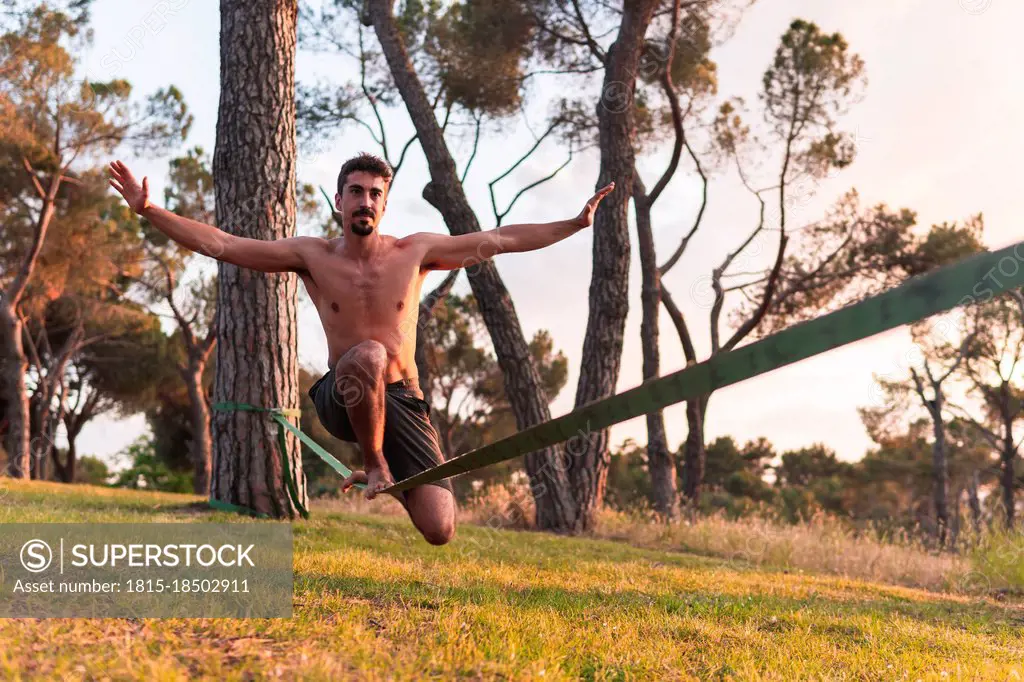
824, 545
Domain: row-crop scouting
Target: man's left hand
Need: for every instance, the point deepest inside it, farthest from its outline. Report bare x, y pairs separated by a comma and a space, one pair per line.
586, 216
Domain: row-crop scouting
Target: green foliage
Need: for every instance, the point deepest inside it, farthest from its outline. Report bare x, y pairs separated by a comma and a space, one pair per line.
56, 123
998, 561
51, 115
91, 471
150, 472
190, 188
729, 131
734, 477
852, 253
168, 408
811, 80
806, 465
629, 482
693, 72
479, 47
724, 459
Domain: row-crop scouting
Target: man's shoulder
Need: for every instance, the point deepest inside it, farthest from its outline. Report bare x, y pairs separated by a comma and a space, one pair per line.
309, 244
409, 241
419, 239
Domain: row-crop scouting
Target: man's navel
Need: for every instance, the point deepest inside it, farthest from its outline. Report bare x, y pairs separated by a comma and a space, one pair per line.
334, 306
401, 304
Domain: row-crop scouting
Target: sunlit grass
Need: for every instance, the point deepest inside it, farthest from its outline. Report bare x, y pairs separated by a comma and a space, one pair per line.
374, 601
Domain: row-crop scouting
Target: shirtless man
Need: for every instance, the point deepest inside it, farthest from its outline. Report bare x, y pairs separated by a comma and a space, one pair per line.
366, 287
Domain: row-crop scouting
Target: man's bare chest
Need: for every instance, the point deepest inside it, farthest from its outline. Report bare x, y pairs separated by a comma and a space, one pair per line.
384, 286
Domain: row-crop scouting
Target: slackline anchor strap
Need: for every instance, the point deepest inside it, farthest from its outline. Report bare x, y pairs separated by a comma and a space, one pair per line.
280, 415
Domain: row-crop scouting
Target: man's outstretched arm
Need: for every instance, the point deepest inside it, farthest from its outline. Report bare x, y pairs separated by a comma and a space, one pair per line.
279, 255
445, 252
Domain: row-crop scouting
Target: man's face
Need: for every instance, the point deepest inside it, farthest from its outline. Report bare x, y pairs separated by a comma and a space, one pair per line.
362, 202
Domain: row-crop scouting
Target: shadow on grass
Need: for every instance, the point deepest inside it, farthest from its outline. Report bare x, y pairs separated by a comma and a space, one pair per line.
726, 609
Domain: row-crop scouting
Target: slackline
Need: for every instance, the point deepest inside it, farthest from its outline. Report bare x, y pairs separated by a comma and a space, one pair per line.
920, 297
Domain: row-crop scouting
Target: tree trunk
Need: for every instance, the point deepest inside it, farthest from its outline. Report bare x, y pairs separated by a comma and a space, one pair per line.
39, 446
35, 431
956, 520
1008, 455
660, 462
974, 503
1007, 481
66, 471
423, 342
44, 423
13, 366
694, 456
940, 465
548, 480
609, 285
254, 172
71, 467
423, 346
202, 447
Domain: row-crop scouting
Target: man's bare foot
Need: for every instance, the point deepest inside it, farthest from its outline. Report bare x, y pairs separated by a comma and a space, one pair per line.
377, 480
355, 478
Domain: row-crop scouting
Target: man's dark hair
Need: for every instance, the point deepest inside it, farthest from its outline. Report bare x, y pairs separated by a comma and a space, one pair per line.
368, 163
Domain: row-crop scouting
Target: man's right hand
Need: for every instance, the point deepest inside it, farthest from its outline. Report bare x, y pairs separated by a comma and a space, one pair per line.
124, 182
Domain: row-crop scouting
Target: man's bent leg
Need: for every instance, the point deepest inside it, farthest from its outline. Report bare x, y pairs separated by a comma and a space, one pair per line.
360, 386
432, 510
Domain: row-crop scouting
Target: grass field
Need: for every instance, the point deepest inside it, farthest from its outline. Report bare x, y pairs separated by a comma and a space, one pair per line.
374, 601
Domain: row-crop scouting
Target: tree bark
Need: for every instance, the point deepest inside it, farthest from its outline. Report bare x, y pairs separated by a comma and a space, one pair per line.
974, 503
66, 470
956, 520
423, 343
40, 445
254, 171
940, 465
1008, 457
72, 464
694, 455
202, 445
43, 423
546, 468
660, 462
609, 285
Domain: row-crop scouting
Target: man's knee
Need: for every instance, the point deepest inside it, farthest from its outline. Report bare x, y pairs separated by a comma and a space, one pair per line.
440, 532
365, 362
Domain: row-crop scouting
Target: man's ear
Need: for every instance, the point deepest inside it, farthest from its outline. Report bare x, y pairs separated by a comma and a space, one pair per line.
337, 201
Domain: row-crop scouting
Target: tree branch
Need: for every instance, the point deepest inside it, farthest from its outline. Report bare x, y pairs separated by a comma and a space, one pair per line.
498, 216
595, 49
759, 314
680, 324
476, 144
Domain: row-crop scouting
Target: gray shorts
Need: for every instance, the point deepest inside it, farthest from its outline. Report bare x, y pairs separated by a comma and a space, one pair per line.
411, 443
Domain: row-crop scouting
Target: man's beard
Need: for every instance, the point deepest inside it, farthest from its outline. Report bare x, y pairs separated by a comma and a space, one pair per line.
360, 228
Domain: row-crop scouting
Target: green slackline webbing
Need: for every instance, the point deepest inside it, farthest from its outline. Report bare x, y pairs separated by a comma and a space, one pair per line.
916, 299
281, 415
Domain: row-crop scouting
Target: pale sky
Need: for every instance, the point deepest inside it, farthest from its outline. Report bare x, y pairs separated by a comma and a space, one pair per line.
938, 132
